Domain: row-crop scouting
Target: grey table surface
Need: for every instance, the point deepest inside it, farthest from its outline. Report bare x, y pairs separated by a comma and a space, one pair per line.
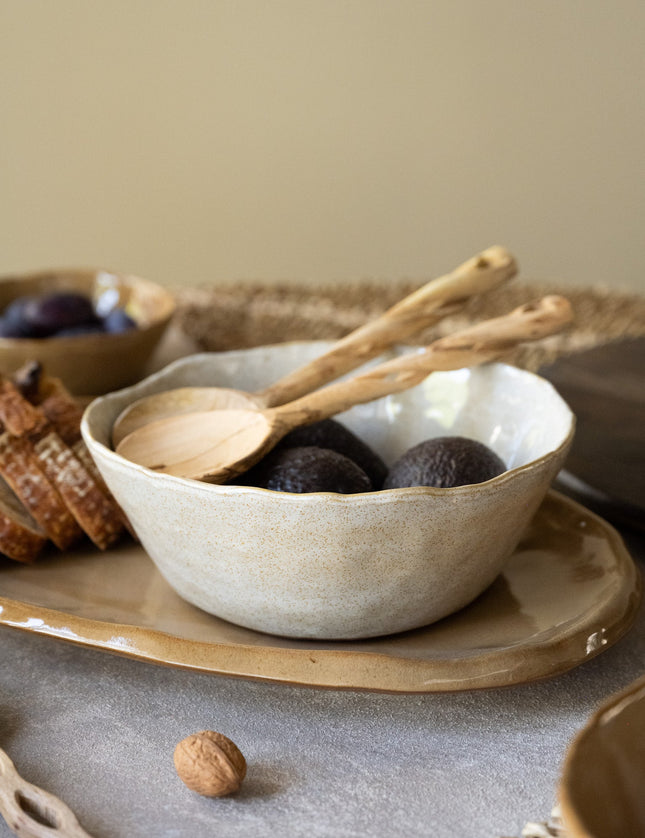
99, 731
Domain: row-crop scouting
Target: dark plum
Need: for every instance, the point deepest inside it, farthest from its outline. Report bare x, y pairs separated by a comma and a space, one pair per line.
118, 320
14, 322
84, 329
50, 313
60, 314
9, 329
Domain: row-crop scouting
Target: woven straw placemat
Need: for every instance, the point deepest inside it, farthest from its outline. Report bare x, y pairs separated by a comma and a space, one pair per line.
251, 314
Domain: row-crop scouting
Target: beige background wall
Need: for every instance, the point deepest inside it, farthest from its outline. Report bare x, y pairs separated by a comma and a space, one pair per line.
199, 141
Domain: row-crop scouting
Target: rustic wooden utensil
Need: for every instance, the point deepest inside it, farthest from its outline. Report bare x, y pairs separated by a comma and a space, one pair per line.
418, 310
218, 445
32, 812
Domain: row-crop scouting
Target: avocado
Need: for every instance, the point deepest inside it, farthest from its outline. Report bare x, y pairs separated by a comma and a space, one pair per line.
329, 433
307, 469
444, 462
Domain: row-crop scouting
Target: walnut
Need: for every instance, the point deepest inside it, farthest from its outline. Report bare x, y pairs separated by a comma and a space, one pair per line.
210, 764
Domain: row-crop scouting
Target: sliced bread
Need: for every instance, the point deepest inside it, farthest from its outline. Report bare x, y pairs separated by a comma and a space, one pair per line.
21, 538
94, 510
19, 467
42, 422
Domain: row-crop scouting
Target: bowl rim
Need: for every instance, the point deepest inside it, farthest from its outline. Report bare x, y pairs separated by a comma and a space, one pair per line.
383, 495
612, 705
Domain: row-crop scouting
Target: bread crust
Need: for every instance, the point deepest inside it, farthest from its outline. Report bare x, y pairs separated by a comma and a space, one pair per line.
19, 467
95, 512
17, 415
42, 459
21, 539
82, 452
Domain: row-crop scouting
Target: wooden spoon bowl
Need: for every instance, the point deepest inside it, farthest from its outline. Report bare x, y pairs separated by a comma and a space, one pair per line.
219, 445
418, 310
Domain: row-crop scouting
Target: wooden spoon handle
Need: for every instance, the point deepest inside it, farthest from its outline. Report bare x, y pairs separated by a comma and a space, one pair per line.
418, 310
486, 341
19, 799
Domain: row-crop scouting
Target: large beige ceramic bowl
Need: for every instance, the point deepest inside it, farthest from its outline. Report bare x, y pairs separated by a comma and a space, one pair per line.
93, 363
337, 566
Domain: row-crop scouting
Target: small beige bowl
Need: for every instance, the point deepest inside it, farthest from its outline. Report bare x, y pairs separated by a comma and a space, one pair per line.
602, 792
334, 566
90, 364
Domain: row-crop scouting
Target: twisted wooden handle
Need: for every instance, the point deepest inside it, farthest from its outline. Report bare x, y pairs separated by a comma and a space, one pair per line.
32, 812
218, 445
417, 311
485, 341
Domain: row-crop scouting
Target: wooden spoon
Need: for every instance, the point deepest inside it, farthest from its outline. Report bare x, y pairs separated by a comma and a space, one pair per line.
418, 310
216, 446
32, 812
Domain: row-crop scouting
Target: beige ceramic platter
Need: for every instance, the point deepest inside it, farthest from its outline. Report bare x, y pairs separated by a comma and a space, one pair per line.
569, 591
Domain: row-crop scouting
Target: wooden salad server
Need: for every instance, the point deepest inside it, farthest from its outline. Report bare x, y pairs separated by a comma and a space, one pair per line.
417, 311
218, 445
31, 812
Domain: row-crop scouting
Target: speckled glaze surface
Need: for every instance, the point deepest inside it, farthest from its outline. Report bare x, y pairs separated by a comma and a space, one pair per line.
333, 566
90, 364
568, 593
604, 772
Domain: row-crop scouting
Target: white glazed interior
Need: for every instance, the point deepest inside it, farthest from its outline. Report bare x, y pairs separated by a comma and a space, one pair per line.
342, 566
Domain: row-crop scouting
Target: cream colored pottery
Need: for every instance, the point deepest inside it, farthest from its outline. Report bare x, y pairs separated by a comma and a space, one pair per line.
94, 363
568, 592
345, 566
603, 784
